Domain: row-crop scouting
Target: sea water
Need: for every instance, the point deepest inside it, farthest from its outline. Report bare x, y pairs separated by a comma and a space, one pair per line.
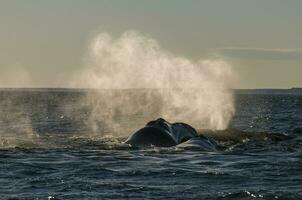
49, 150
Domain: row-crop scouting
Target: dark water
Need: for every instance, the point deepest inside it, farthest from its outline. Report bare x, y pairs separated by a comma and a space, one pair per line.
46, 152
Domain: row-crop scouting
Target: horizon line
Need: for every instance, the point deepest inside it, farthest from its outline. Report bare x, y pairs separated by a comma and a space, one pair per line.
87, 88
280, 50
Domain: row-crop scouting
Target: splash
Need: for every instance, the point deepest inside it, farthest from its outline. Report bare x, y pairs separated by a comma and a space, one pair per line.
15, 122
136, 78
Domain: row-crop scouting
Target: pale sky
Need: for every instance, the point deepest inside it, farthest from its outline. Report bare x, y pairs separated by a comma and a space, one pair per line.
42, 41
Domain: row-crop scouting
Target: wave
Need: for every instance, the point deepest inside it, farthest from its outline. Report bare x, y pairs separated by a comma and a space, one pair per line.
227, 138
239, 136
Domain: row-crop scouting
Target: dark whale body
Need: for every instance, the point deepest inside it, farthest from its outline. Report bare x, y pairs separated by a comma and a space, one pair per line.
161, 133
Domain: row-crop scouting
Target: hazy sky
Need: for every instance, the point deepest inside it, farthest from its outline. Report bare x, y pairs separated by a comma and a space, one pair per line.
42, 41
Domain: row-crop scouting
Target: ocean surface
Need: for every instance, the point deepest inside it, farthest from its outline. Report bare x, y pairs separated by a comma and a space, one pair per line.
49, 149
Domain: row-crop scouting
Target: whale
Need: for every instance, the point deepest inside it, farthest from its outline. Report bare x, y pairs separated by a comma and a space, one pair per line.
161, 133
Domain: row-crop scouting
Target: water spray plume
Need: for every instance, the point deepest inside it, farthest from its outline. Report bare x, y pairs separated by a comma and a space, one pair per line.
137, 78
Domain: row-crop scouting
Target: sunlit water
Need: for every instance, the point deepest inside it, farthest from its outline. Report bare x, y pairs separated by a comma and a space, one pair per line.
48, 150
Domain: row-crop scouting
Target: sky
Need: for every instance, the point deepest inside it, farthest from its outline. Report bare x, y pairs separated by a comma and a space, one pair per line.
43, 41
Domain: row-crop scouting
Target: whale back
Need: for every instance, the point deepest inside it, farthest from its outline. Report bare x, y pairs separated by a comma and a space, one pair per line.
162, 133
149, 136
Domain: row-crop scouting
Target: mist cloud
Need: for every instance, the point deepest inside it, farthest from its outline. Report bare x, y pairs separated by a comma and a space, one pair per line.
147, 81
